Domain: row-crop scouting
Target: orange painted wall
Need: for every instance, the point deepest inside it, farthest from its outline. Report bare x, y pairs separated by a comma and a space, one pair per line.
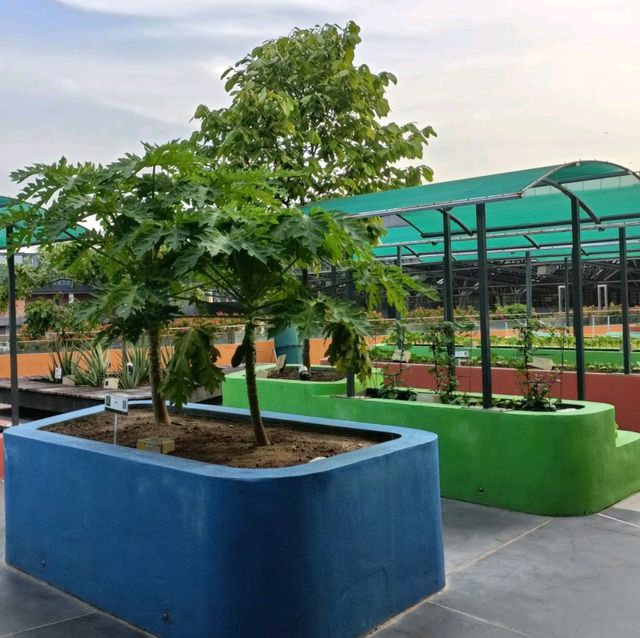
37, 365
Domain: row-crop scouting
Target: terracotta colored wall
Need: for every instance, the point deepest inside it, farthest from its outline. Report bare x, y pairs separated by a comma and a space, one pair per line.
619, 390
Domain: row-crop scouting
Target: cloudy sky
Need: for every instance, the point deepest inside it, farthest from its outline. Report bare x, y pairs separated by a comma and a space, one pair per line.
506, 83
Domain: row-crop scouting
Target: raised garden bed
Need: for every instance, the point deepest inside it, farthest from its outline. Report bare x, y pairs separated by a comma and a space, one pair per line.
564, 463
185, 548
619, 390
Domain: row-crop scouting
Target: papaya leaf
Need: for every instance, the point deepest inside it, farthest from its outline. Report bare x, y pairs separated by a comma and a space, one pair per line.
192, 365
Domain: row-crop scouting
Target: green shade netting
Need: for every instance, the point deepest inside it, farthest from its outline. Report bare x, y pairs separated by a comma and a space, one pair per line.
6, 203
516, 202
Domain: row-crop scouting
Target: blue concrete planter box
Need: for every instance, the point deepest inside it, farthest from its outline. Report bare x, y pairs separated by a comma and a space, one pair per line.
192, 550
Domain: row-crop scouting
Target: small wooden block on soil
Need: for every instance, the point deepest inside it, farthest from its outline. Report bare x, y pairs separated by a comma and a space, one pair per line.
156, 444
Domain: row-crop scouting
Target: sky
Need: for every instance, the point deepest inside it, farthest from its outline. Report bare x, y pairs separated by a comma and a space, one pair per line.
507, 84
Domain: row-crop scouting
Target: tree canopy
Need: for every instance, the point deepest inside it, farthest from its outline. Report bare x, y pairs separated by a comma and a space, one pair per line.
300, 103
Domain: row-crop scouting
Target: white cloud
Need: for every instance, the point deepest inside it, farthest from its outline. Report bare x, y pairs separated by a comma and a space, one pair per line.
177, 8
506, 84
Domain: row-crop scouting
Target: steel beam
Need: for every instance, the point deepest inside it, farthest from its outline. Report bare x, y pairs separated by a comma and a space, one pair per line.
578, 321
351, 379
447, 263
485, 328
528, 282
624, 301
13, 332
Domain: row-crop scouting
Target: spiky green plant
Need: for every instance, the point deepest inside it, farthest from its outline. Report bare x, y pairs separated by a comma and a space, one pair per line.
135, 369
92, 366
64, 357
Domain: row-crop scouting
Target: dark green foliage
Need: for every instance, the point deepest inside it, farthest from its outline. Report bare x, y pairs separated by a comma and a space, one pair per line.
300, 104
192, 365
47, 315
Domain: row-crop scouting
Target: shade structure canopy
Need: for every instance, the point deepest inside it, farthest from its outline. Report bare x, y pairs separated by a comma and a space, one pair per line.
7, 206
583, 210
526, 211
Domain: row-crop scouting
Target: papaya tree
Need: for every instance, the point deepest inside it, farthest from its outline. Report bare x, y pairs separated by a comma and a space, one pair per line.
301, 105
254, 254
142, 209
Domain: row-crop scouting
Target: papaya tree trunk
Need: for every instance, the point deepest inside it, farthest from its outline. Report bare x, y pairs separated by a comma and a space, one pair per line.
306, 354
160, 412
306, 345
248, 342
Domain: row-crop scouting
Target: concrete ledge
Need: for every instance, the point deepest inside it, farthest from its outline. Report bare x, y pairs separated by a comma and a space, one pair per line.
192, 550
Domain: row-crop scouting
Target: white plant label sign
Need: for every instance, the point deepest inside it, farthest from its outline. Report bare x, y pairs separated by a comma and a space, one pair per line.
116, 403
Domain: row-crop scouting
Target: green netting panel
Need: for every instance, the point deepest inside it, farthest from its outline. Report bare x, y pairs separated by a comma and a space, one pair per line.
610, 196
586, 171
440, 193
6, 203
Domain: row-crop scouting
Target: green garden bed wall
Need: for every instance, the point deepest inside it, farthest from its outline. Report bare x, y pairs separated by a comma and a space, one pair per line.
565, 463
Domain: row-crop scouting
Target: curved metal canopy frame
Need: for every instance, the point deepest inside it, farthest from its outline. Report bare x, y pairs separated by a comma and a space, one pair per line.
445, 198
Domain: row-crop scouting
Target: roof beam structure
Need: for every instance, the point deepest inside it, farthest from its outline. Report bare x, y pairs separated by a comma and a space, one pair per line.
565, 206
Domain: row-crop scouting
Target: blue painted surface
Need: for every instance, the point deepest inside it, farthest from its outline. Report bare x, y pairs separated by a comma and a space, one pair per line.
288, 342
322, 550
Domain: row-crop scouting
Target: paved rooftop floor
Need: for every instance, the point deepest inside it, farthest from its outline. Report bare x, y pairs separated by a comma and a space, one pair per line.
508, 574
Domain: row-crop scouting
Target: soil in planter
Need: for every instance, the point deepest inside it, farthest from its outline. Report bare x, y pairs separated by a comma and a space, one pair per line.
290, 373
216, 440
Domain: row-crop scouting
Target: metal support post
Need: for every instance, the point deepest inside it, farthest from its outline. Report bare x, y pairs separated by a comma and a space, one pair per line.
624, 300
400, 341
447, 297
483, 282
578, 322
13, 332
528, 282
567, 295
351, 379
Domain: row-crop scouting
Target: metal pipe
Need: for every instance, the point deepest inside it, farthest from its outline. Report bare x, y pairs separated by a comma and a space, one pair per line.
576, 265
624, 302
447, 268
13, 331
485, 328
351, 379
400, 341
528, 275
518, 233
567, 294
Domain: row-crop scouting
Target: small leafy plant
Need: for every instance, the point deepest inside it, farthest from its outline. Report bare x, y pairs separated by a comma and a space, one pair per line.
536, 385
441, 337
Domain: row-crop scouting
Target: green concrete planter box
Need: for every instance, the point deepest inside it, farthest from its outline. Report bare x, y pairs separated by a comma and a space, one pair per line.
565, 463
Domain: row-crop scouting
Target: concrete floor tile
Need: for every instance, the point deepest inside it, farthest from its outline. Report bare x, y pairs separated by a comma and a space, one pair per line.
572, 577
630, 503
25, 603
471, 531
628, 516
93, 625
432, 621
